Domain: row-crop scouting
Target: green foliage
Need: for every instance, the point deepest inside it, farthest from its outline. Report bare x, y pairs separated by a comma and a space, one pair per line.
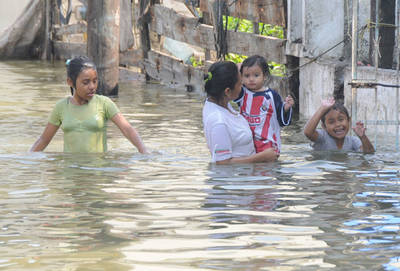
235, 57
196, 62
277, 69
271, 30
242, 25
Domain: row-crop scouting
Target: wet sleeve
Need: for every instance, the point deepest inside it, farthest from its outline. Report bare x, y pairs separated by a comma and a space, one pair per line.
319, 143
356, 144
55, 115
110, 108
220, 143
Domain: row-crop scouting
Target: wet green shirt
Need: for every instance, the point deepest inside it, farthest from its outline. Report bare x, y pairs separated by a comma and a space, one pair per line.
85, 125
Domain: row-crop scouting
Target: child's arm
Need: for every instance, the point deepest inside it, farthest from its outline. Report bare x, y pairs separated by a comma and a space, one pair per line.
310, 128
283, 109
366, 144
289, 102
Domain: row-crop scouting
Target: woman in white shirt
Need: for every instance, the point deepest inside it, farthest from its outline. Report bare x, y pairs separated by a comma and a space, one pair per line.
228, 134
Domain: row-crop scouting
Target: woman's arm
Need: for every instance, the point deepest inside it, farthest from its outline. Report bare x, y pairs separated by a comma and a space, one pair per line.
129, 132
311, 126
268, 155
45, 137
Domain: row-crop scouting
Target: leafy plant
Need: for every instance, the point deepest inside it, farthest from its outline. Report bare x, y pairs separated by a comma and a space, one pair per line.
247, 26
235, 57
196, 62
243, 25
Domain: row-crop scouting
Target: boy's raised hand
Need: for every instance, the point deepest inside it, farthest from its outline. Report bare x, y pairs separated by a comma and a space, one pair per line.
359, 129
289, 102
328, 103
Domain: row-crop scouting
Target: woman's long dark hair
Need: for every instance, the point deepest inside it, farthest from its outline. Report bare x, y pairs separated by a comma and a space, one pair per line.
221, 75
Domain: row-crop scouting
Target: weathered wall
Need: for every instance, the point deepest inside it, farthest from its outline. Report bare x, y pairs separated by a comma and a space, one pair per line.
316, 83
10, 11
382, 107
315, 26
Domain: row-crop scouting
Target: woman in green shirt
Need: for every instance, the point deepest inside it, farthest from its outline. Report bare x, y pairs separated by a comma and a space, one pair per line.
83, 116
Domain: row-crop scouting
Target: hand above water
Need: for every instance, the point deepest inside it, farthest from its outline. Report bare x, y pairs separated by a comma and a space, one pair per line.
359, 129
328, 103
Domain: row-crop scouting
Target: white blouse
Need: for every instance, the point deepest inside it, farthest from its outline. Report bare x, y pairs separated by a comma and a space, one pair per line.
227, 133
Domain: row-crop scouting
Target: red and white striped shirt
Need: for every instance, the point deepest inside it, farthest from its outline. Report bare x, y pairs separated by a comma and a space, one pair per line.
265, 113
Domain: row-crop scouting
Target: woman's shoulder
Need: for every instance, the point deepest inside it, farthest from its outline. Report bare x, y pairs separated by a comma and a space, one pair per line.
212, 112
101, 98
63, 101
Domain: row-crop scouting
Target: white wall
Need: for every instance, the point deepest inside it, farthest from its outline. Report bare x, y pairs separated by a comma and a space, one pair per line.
383, 106
316, 83
314, 26
10, 11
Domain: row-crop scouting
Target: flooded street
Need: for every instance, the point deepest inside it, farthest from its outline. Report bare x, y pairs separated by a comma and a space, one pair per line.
172, 210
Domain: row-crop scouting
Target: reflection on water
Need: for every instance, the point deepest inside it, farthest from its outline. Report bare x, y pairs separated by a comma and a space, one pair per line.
172, 210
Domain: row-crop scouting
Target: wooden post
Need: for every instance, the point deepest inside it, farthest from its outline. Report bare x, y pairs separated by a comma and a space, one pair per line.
126, 35
46, 40
103, 42
145, 43
294, 79
256, 29
207, 20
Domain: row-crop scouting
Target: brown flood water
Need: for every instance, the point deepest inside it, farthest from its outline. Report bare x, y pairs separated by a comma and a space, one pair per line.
173, 210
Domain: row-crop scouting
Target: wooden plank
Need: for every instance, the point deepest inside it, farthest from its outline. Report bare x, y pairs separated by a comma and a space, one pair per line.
262, 11
167, 22
66, 50
131, 57
172, 72
60, 30
103, 42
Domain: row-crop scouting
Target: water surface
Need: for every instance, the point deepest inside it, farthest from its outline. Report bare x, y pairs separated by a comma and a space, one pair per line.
172, 209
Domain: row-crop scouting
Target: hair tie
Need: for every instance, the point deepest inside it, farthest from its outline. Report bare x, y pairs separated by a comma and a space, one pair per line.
67, 62
209, 77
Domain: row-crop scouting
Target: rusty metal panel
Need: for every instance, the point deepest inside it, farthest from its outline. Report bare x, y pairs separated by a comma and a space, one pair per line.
262, 11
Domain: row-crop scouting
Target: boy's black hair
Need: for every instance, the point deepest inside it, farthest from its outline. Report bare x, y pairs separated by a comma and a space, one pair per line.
256, 60
75, 66
338, 107
221, 75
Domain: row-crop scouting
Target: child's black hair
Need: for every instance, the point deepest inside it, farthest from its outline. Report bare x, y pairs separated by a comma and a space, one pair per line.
338, 107
256, 60
221, 75
75, 66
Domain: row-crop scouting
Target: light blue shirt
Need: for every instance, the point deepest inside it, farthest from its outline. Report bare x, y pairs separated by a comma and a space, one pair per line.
325, 142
